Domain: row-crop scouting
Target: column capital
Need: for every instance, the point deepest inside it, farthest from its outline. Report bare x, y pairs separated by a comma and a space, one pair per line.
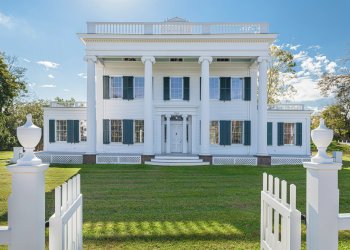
264, 59
90, 58
152, 59
205, 58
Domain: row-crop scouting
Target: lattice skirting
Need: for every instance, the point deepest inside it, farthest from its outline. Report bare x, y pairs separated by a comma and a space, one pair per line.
118, 159
230, 160
61, 159
289, 160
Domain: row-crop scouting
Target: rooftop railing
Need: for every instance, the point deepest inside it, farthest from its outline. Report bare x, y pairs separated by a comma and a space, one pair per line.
285, 107
174, 28
67, 104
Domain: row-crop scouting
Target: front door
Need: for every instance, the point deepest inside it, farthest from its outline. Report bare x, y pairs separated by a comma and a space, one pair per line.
176, 137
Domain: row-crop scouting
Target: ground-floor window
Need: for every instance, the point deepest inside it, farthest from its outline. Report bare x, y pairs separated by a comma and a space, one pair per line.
116, 131
237, 132
83, 130
289, 133
214, 132
139, 131
61, 130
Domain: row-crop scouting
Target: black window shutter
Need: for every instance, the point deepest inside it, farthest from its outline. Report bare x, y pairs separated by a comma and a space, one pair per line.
200, 88
225, 132
76, 131
280, 132
247, 88
269, 133
225, 88
70, 131
106, 87
128, 132
128, 87
166, 88
186, 89
51, 130
299, 134
106, 131
247, 133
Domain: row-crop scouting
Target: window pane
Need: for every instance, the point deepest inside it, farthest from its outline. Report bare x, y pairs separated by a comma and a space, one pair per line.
83, 130
176, 91
61, 130
236, 88
139, 131
288, 133
214, 88
117, 87
214, 132
237, 132
139, 87
116, 131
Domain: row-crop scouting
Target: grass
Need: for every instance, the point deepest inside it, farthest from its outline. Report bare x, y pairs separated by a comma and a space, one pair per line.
143, 207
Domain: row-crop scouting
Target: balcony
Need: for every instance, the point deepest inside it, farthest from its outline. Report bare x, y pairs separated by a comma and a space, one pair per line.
175, 26
67, 105
289, 107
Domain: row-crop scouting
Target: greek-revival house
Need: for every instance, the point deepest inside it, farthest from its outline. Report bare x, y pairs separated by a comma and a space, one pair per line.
177, 92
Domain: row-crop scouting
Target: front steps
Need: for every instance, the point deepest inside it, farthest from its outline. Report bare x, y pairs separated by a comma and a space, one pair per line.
176, 160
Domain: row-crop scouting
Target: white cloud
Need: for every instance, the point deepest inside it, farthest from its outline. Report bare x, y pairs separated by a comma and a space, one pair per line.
48, 65
48, 86
50, 76
66, 90
6, 21
294, 47
315, 47
26, 60
82, 75
331, 67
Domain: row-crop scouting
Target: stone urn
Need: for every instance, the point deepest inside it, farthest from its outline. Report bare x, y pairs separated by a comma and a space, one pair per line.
322, 137
29, 136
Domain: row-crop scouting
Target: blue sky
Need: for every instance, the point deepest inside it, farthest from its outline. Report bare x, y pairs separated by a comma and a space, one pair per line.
42, 34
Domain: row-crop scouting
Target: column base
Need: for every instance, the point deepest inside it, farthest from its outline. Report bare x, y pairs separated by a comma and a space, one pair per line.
146, 158
206, 158
89, 158
263, 160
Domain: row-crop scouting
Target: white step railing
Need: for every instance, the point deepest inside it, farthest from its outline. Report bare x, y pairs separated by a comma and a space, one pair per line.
285, 106
284, 234
66, 223
174, 28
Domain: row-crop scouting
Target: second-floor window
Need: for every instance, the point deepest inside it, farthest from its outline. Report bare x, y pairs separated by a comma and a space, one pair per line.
117, 87
176, 88
236, 88
135, 87
214, 88
139, 86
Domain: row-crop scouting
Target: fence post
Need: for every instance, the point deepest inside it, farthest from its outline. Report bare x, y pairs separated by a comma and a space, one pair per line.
322, 194
27, 200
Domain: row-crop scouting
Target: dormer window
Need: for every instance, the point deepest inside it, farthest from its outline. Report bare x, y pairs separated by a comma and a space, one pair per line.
222, 59
176, 59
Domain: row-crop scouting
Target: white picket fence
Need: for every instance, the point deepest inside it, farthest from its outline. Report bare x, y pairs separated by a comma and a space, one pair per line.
66, 223
280, 220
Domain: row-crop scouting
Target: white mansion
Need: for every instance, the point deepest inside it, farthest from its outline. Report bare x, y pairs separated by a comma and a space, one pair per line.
177, 92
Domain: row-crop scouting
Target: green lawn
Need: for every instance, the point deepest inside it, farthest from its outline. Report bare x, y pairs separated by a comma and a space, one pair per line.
143, 207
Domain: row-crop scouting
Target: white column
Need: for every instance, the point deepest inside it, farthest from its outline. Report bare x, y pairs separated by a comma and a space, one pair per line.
148, 105
253, 70
184, 134
262, 107
168, 134
91, 103
205, 116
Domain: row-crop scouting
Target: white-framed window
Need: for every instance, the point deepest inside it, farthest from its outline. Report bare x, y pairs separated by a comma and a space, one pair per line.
61, 130
236, 88
237, 132
83, 130
176, 88
139, 131
214, 132
116, 87
288, 133
116, 131
139, 87
214, 88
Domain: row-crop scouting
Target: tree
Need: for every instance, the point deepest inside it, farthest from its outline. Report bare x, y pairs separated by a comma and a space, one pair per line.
337, 118
12, 83
281, 71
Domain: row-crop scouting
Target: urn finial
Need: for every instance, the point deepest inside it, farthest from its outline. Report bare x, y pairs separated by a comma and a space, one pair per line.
29, 136
322, 137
